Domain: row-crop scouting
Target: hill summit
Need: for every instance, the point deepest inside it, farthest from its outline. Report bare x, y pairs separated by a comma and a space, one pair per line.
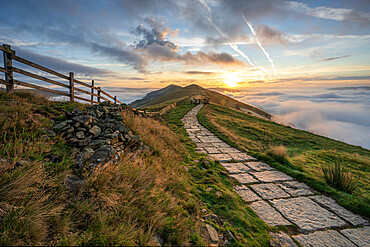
173, 93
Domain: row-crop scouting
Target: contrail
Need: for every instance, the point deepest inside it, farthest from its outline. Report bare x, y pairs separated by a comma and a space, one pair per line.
233, 46
260, 45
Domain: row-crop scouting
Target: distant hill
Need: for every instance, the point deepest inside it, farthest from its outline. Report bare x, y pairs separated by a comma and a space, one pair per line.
154, 94
173, 92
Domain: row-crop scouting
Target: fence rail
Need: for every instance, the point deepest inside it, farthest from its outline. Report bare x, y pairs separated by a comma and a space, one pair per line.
9, 82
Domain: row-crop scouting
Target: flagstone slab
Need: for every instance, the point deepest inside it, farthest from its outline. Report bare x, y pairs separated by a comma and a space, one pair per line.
246, 194
271, 176
195, 140
295, 188
234, 168
228, 150
328, 238
307, 214
269, 191
339, 210
200, 150
281, 239
244, 178
212, 150
204, 144
268, 214
360, 236
259, 166
221, 145
221, 157
241, 157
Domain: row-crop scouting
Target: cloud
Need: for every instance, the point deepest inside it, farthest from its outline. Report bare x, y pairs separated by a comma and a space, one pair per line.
60, 65
199, 72
268, 35
336, 14
149, 37
333, 58
125, 56
342, 115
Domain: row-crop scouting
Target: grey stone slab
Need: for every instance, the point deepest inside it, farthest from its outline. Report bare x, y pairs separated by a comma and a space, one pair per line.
339, 210
228, 150
259, 166
202, 145
241, 157
221, 157
234, 168
212, 150
328, 238
244, 178
281, 239
213, 235
268, 214
269, 191
200, 150
360, 236
221, 145
307, 214
271, 176
295, 188
247, 194
195, 140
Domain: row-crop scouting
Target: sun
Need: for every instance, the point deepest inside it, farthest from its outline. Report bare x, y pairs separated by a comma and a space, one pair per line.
232, 79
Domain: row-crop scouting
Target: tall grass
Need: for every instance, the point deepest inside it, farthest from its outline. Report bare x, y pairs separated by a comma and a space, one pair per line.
144, 195
336, 177
279, 153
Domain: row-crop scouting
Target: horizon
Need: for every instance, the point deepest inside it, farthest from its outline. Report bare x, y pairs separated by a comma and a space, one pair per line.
304, 61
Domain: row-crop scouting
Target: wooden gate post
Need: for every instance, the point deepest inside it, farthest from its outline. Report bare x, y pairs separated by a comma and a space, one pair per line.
115, 100
8, 66
98, 94
71, 87
92, 91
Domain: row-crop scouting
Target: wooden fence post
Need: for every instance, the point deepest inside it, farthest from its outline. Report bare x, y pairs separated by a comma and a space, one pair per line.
115, 100
71, 87
8, 66
92, 91
98, 94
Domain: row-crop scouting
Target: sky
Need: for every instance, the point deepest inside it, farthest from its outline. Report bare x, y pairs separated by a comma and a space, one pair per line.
307, 62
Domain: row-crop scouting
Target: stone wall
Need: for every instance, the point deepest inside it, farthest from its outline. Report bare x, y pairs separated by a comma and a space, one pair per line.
98, 134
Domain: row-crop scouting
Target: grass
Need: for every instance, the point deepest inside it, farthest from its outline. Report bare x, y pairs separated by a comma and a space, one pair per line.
339, 179
298, 153
212, 186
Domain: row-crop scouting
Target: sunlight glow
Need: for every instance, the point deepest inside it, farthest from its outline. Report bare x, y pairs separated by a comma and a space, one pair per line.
232, 80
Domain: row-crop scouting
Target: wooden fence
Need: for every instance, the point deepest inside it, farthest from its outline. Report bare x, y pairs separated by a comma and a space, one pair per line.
9, 70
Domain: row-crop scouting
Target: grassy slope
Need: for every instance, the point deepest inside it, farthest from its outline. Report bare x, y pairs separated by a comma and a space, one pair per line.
307, 152
145, 195
236, 216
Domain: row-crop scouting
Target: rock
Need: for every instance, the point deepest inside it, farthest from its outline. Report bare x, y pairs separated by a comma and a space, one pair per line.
158, 240
53, 158
212, 233
324, 238
203, 211
84, 120
95, 130
72, 183
210, 216
116, 116
121, 127
80, 135
360, 236
281, 239
21, 163
50, 133
218, 193
76, 112
62, 125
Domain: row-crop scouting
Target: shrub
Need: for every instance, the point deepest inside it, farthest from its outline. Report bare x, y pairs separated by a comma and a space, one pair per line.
339, 179
279, 153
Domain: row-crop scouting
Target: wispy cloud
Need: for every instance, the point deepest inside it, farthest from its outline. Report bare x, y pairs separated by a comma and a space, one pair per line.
333, 58
337, 14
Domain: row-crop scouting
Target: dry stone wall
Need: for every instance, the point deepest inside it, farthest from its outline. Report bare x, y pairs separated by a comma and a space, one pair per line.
98, 134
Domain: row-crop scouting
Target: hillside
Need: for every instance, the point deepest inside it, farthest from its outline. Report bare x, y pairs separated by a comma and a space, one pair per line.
173, 93
162, 194
298, 153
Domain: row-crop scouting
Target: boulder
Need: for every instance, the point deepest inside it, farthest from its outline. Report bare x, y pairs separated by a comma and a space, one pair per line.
213, 235
95, 130
58, 127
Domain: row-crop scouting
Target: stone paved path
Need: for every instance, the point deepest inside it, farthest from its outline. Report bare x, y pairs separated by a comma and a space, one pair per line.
278, 199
